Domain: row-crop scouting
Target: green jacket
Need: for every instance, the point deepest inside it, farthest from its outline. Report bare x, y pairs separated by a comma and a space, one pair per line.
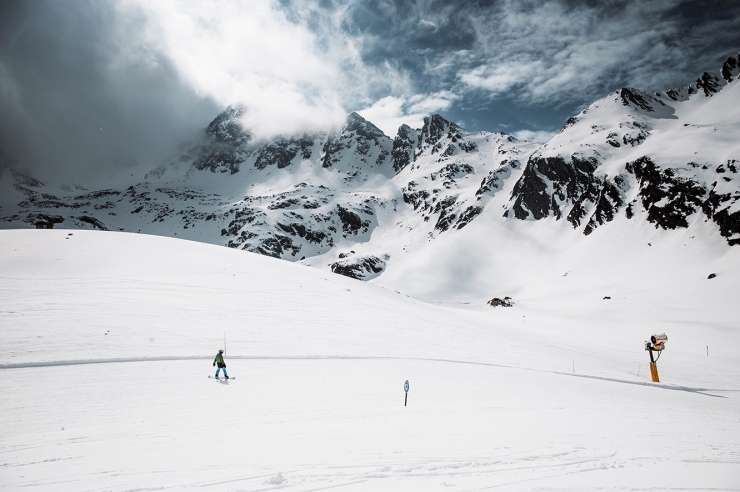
219, 358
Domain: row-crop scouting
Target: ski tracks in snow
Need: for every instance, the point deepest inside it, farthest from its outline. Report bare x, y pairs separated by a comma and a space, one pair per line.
27, 365
453, 473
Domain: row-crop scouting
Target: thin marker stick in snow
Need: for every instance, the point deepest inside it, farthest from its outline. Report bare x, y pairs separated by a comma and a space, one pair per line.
638, 370
574, 366
707, 350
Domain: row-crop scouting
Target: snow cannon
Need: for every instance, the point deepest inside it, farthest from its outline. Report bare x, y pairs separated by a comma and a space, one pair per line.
656, 344
658, 341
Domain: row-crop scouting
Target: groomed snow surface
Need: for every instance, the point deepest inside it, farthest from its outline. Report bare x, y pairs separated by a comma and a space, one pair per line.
107, 339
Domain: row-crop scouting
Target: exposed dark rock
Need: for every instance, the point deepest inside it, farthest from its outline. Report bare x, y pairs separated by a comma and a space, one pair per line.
23, 180
568, 179
360, 133
358, 268
276, 246
40, 217
582, 204
668, 198
495, 179
730, 68
360, 126
226, 128
468, 215
351, 222
446, 211
435, 127
300, 230
284, 204
241, 218
639, 99
610, 200
282, 151
417, 198
449, 151
95, 195
332, 149
709, 83
636, 133
243, 237
452, 171
498, 302
569, 122
468, 146
92, 221
717, 207
219, 159
712, 275
612, 139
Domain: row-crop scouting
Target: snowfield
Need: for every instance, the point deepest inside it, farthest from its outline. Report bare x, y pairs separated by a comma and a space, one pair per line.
106, 341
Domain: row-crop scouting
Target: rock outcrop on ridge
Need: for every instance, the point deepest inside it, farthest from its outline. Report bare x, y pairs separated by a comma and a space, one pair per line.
669, 158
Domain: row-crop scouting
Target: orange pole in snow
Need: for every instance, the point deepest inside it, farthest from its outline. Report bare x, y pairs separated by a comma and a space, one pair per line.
654, 372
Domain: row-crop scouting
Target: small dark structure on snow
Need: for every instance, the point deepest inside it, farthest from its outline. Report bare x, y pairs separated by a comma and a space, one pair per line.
44, 224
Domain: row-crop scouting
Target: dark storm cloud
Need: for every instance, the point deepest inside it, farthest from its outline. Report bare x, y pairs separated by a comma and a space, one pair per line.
531, 63
89, 88
78, 99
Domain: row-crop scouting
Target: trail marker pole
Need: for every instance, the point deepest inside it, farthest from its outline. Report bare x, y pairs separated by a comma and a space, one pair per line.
574, 366
707, 350
224, 342
406, 390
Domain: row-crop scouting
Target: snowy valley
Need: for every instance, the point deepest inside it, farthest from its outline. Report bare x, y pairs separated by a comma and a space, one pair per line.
625, 224
108, 338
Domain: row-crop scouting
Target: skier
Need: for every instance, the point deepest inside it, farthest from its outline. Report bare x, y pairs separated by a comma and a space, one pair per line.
221, 364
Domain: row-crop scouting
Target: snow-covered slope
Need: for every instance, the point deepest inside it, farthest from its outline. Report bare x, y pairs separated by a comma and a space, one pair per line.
438, 210
543, 395
662, 157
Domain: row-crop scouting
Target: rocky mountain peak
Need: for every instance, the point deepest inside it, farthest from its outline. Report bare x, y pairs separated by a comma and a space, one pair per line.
435, 127
731, 68
639, 99
404, 145
359, 125
360, 142
226, 127
709, 83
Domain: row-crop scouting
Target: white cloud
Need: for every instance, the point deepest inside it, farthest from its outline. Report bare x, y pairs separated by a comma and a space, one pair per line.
555, 53
502, 77
391, 112
292, 78
534, 136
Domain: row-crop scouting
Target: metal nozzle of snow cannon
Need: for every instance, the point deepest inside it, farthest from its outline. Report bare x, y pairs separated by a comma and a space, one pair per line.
658, 341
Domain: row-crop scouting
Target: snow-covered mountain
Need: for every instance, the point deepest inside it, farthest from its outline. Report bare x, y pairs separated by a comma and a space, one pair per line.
107, 339
357, 202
